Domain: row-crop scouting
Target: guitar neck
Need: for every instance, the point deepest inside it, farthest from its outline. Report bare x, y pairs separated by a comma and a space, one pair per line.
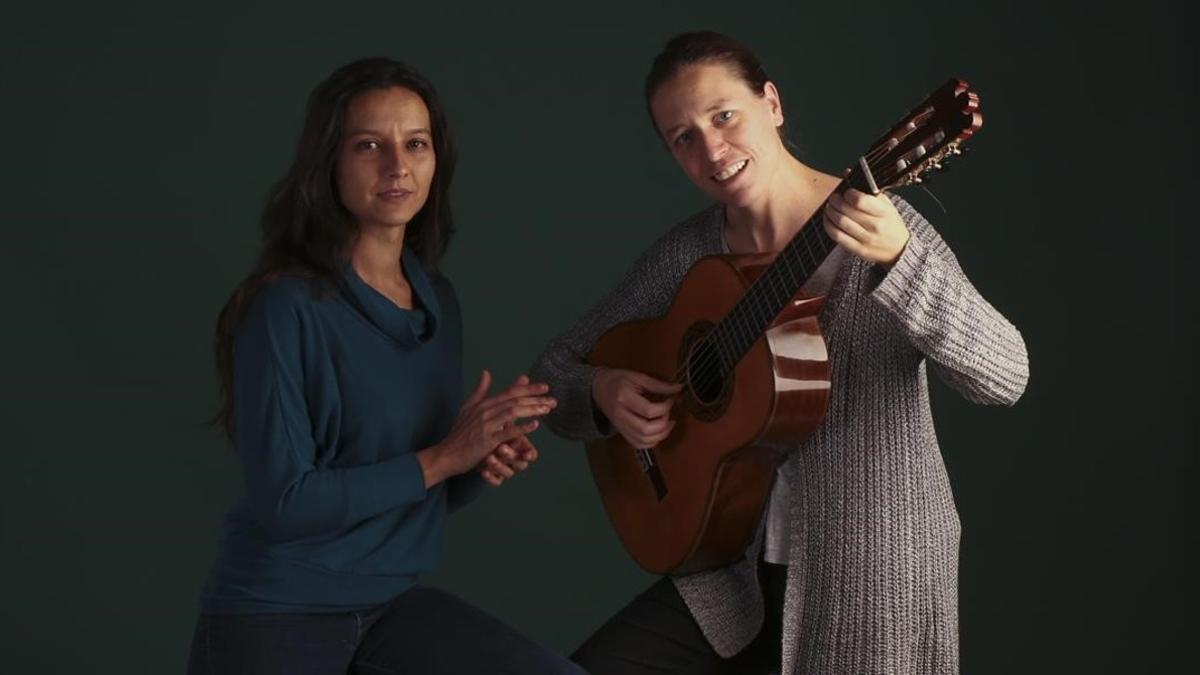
774, 289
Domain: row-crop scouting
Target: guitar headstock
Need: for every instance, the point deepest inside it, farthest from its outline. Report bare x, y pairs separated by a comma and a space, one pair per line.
924, 139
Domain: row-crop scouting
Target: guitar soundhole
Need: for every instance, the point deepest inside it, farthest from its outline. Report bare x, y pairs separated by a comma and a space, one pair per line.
708, 386
704, 371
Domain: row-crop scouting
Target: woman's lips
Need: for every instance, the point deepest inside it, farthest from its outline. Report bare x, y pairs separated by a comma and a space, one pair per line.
394, 194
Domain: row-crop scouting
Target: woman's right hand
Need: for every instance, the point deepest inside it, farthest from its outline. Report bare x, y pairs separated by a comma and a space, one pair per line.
484, 422
637, 405
507, 460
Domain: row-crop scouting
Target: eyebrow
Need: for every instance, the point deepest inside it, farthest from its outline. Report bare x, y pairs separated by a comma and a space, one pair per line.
373, 132
716, 105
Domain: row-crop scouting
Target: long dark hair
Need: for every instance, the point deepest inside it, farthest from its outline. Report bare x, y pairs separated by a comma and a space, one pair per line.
306, 230
704, 47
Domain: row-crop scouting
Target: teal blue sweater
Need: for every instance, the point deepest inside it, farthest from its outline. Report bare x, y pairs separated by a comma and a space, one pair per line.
334, 392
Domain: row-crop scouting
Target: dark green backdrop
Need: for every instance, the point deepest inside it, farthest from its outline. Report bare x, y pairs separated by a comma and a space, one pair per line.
138, 144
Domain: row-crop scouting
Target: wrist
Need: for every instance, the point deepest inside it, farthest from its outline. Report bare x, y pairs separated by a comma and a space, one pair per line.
599, 415
434, 465
891, 260
598, 374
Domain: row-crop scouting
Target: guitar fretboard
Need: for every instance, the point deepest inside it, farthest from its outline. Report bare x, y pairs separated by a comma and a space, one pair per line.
772, 291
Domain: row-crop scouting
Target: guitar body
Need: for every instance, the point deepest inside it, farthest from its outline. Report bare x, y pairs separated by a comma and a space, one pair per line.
718, 465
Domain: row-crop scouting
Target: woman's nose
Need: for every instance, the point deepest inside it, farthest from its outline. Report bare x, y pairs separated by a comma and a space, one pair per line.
714, 147
397, 166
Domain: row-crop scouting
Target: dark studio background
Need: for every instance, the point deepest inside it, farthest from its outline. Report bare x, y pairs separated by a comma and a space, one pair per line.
139, 143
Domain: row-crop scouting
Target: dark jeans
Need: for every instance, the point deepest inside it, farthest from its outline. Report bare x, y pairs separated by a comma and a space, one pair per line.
424, 630
655, 633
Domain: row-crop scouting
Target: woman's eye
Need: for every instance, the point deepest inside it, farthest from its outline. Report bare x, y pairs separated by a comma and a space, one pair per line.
418, 144
724, 115
682, 139
367, 145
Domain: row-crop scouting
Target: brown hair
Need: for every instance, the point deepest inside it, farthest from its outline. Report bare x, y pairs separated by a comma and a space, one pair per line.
703, 47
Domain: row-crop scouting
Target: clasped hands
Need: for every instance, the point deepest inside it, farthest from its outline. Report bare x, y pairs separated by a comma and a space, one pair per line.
491, 434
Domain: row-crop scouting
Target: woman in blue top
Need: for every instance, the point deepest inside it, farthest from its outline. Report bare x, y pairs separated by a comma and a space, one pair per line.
341, 370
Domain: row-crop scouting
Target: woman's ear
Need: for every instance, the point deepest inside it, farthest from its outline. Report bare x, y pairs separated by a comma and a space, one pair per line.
771, 94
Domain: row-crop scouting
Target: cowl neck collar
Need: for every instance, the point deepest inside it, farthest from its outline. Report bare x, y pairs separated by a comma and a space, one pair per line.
409, 327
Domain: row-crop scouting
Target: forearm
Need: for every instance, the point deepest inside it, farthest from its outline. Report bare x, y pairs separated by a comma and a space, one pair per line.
563, 366
462, 486
435, 466
316, 502
970, 344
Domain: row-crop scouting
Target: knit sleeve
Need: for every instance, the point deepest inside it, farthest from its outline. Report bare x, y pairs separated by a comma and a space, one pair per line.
967, 342
646, 291
291, 496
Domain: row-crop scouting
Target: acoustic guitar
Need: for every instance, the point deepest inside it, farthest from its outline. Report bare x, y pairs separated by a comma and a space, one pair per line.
748, 350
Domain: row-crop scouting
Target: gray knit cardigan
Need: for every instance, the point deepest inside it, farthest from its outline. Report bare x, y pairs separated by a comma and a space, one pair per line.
872, 581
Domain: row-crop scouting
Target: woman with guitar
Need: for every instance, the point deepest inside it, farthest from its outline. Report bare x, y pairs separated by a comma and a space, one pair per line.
853, 565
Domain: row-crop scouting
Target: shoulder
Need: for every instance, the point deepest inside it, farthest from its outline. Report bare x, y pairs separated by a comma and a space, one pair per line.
692, 238
701, 229
283, 303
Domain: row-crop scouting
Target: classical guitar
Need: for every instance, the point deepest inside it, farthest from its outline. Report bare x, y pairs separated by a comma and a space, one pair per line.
748, 350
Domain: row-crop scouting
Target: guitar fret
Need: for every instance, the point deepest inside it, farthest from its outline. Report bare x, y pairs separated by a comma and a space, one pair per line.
787, 261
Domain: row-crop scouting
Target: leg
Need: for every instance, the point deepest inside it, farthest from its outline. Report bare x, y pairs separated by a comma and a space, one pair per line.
429, 631
654, 633
764, 654
272, 644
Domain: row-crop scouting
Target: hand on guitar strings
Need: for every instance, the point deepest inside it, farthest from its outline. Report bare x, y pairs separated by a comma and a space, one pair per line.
637, 405
869, 226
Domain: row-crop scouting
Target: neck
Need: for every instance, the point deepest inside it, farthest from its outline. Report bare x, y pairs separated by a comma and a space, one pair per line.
795, 192
376, 256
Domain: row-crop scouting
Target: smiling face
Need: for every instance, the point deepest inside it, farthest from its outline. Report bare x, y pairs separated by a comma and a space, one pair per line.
723, 134
386, 160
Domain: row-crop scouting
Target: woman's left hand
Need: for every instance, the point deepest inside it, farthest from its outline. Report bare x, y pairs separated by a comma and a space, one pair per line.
507, 460
869, 226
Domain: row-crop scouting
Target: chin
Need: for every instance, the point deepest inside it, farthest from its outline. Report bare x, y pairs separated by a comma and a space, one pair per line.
735, 198
386, 221
741, 196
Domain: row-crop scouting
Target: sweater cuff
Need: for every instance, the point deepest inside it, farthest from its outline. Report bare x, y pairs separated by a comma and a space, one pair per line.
601, 426
400, 482
894, 287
